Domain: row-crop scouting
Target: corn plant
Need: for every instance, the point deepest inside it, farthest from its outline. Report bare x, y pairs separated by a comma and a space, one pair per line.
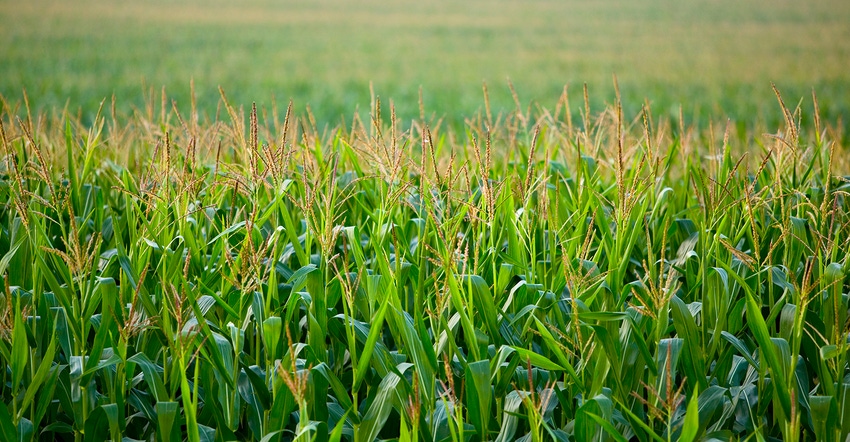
551, 274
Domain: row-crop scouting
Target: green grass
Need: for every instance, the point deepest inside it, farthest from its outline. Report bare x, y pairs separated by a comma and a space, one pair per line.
714, 58
528, 278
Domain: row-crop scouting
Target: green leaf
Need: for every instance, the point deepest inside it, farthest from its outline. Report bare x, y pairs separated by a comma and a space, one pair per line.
206, 433
233, 228
690, 427
537, 360
25, 430
7, 258
272, 332
586, 427
108, 302
259, 384
374, 333
376, 416
340, 391
511, 406
686, 328
150, 372
667, 359
756, 323
414, 347
741, 347
336, 433
844, 410
41, 375
46, 394
478, 396
168, 426
20, 350
639, 421
606, 425
7, 427
483, 302
298, 280
555, 347
102, 423
823, 416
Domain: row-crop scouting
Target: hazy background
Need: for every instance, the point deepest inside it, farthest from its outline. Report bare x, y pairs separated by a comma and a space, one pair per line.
714, 57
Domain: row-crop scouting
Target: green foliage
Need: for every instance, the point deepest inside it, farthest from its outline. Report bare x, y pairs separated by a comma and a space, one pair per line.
529, 279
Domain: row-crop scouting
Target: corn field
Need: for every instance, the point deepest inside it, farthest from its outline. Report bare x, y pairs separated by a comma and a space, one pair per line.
568, 274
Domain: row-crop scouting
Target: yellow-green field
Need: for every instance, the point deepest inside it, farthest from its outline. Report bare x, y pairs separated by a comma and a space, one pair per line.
711, 57
543, 266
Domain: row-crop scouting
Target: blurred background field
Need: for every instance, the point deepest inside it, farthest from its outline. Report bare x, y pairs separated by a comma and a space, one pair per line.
712, 57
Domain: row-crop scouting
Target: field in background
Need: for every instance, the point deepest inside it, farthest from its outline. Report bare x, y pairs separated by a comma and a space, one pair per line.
713, 57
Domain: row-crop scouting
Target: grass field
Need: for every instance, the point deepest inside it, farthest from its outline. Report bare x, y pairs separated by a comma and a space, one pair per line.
711, 57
